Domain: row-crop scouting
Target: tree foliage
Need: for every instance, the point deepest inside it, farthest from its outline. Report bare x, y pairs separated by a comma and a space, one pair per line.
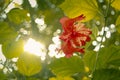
101, 60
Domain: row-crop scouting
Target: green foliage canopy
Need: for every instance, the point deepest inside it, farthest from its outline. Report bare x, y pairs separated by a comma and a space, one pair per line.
101, 60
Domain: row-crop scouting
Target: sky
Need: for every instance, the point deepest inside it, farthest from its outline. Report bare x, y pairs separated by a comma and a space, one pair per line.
40, 21
1, 55
36, 47
7, 10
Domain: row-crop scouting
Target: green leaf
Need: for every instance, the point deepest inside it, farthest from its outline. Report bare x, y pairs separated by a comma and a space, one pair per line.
2, 75
108, 56
29, 64
55, 15
6, 33
118, 24
94, 32
17, 15
106, 74
116, 4
13, 48
26, 5
113, 40
43, 4
2, 2
74, 8
67, 66
90, 59
57, 2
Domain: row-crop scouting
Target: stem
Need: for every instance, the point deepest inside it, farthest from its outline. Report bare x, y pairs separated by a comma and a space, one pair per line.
97, 53
34, 28
6, 65
105, 24
108, 5
3, 10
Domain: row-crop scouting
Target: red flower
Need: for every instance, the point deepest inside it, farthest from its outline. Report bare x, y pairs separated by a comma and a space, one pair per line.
75, 35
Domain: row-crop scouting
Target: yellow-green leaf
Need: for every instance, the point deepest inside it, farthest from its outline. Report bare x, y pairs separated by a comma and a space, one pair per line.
118, 24
116, 4
89, 60
13, 48
118, 20
67, 66
6, 33
28, 64
74, 8
17, 15
61, 78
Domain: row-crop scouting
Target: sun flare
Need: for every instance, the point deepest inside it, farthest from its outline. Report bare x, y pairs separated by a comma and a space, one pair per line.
35, 47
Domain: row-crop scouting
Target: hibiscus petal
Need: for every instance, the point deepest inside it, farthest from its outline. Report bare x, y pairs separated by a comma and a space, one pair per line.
65, 36
63, 20
68, 24
68, 49
81, 17
74, 36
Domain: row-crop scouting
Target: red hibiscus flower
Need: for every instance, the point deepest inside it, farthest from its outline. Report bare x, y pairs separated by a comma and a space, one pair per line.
74, 36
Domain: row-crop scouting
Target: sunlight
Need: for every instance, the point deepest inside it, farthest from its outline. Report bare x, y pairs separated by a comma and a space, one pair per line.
53, 52
39, 21
35, 47
2, 57
33, 3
